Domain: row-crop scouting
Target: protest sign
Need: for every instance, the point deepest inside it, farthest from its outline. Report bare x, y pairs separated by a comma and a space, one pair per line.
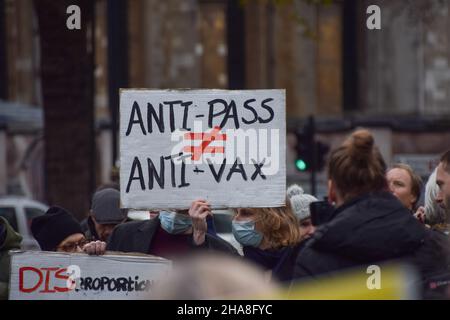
227, 147
38, 275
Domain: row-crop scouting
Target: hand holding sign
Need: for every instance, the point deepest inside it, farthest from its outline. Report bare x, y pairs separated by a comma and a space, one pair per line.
198, 212
97, 248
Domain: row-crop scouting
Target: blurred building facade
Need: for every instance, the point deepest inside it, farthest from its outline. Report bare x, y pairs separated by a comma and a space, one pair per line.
395, 80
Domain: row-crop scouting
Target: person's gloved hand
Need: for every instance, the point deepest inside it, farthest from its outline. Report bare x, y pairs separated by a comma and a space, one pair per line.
97, 248
198, 212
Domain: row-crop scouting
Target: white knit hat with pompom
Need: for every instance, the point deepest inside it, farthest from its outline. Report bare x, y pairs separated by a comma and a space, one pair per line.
300, 201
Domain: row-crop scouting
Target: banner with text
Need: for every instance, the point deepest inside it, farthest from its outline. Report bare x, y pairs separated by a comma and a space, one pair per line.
38, 275
227, 147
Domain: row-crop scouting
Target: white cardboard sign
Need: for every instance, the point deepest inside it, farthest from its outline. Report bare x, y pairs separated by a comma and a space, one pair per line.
37, 275
227, 147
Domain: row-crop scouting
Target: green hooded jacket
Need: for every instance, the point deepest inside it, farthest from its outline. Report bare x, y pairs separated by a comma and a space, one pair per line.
12, 241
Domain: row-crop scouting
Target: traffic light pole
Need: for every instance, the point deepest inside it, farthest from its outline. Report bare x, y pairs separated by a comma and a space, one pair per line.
310, 153
312, 127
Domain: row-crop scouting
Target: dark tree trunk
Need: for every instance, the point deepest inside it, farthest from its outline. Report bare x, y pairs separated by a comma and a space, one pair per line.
67, 88
3, 66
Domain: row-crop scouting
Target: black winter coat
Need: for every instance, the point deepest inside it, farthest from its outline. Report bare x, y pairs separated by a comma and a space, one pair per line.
137, 237
371, 229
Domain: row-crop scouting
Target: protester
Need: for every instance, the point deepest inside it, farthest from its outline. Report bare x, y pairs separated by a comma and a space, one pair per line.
369, 225
269, 238
153, 214
9, 240
57, 230
171, 234
104, 216
405, 184
206, 277
443, 194
300, 203
432, 213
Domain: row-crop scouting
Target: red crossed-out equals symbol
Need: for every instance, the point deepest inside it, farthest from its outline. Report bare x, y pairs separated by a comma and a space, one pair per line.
206, 138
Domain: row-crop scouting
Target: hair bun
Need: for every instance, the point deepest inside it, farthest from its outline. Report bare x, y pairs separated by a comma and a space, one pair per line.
361, 143
294, 190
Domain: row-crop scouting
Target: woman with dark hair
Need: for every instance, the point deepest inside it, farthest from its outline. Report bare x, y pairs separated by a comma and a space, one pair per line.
369, 225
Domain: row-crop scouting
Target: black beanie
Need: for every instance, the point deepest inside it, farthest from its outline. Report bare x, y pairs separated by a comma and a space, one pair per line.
53, 227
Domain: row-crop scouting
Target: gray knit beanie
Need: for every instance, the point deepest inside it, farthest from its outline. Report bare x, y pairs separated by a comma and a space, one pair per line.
300, 201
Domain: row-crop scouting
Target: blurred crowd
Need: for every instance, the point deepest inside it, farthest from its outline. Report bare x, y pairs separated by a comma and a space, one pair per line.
370, 216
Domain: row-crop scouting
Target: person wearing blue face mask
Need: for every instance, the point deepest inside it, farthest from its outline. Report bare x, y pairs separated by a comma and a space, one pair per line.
270, 238
170, 234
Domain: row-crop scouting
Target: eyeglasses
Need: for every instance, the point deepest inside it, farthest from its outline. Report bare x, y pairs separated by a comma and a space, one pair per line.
72, 246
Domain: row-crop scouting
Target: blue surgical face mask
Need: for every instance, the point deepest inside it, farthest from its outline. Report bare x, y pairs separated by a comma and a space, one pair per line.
174, 223
244, 232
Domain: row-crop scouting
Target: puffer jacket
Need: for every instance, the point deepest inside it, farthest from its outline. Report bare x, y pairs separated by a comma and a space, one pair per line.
375, 228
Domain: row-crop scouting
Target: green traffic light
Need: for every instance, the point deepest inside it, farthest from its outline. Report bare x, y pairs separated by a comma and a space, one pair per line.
300, 164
